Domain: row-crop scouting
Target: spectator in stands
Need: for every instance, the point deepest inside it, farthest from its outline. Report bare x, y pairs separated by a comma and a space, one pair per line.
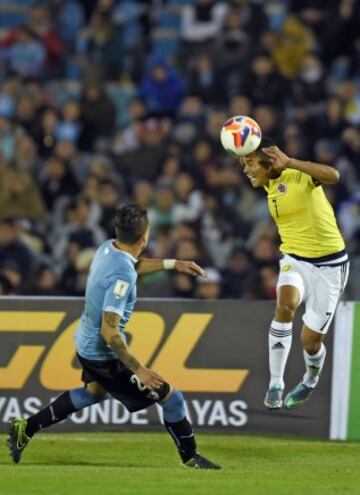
78, 230
237, 275
209, 287
204, 81
26, 53
15, 256
263, 85
57, 181
43, 283
11, 271
19, 194
183, 285
144, 162
201, 23
26, 156
98, 111
189, 204
162, 212
45, 132
102, 46
289, 46
109, 199
162, 88
25, 113
41, 26
231, 51
6, 288
143, 193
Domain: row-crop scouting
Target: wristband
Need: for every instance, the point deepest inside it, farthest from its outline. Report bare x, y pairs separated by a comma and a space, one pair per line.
169, 264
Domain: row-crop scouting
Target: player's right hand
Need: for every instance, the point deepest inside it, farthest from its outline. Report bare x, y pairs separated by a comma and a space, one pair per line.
150, 378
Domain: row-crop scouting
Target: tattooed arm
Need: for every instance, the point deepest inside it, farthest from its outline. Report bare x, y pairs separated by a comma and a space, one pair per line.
111, 334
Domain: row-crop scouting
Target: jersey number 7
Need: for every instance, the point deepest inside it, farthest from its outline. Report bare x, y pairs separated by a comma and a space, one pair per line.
276, 207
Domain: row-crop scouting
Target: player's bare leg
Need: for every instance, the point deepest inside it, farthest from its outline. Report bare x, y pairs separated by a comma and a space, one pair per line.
314, 356
280, 337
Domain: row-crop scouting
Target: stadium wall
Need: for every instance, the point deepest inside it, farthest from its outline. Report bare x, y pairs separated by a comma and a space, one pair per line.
215, 352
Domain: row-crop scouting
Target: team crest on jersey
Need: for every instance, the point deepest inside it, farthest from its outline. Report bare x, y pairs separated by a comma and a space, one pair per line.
282, 188
286, 268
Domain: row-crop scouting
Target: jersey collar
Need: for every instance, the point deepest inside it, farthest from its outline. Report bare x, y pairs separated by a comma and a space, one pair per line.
134, 260
274, 181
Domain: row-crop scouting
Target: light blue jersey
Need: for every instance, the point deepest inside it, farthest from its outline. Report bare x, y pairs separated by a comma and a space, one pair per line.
111, 286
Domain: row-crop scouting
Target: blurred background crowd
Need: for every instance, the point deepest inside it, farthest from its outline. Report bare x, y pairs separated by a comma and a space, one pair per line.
104, 102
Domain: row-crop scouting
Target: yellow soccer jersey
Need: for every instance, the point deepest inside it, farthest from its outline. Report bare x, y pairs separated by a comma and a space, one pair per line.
303, 215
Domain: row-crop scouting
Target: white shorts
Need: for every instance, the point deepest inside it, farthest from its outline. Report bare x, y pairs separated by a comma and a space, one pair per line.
320, 288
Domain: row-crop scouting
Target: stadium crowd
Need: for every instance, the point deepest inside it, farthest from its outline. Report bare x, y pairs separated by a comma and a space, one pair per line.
104, 102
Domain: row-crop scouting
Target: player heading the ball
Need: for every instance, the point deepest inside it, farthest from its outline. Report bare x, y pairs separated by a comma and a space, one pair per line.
314, 267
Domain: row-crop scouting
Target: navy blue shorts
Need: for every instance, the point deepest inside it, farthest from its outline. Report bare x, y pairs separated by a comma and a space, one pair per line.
121, 383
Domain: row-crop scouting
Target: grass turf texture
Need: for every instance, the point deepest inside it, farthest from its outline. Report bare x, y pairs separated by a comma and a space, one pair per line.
147, 464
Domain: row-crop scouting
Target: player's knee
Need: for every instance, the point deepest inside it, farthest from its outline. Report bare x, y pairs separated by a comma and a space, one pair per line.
82, 397
174, 407
310, 344
285, 311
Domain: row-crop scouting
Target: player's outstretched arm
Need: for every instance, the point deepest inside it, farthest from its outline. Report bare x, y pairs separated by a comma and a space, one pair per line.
111, 335
145, 266
324, 174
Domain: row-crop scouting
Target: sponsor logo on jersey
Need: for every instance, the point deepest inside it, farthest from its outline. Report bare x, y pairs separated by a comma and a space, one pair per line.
282, 188
286, 268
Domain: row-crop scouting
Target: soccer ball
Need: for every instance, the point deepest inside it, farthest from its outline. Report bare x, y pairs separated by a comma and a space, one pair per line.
240, 135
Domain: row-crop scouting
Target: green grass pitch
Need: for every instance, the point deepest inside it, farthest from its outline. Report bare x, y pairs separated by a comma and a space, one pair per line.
147, 464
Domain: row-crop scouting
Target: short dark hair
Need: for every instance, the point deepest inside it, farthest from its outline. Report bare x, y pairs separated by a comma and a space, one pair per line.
131, 222
266, 142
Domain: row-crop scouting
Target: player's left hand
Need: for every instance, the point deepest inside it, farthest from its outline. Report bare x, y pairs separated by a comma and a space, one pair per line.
190, 267
279, 160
